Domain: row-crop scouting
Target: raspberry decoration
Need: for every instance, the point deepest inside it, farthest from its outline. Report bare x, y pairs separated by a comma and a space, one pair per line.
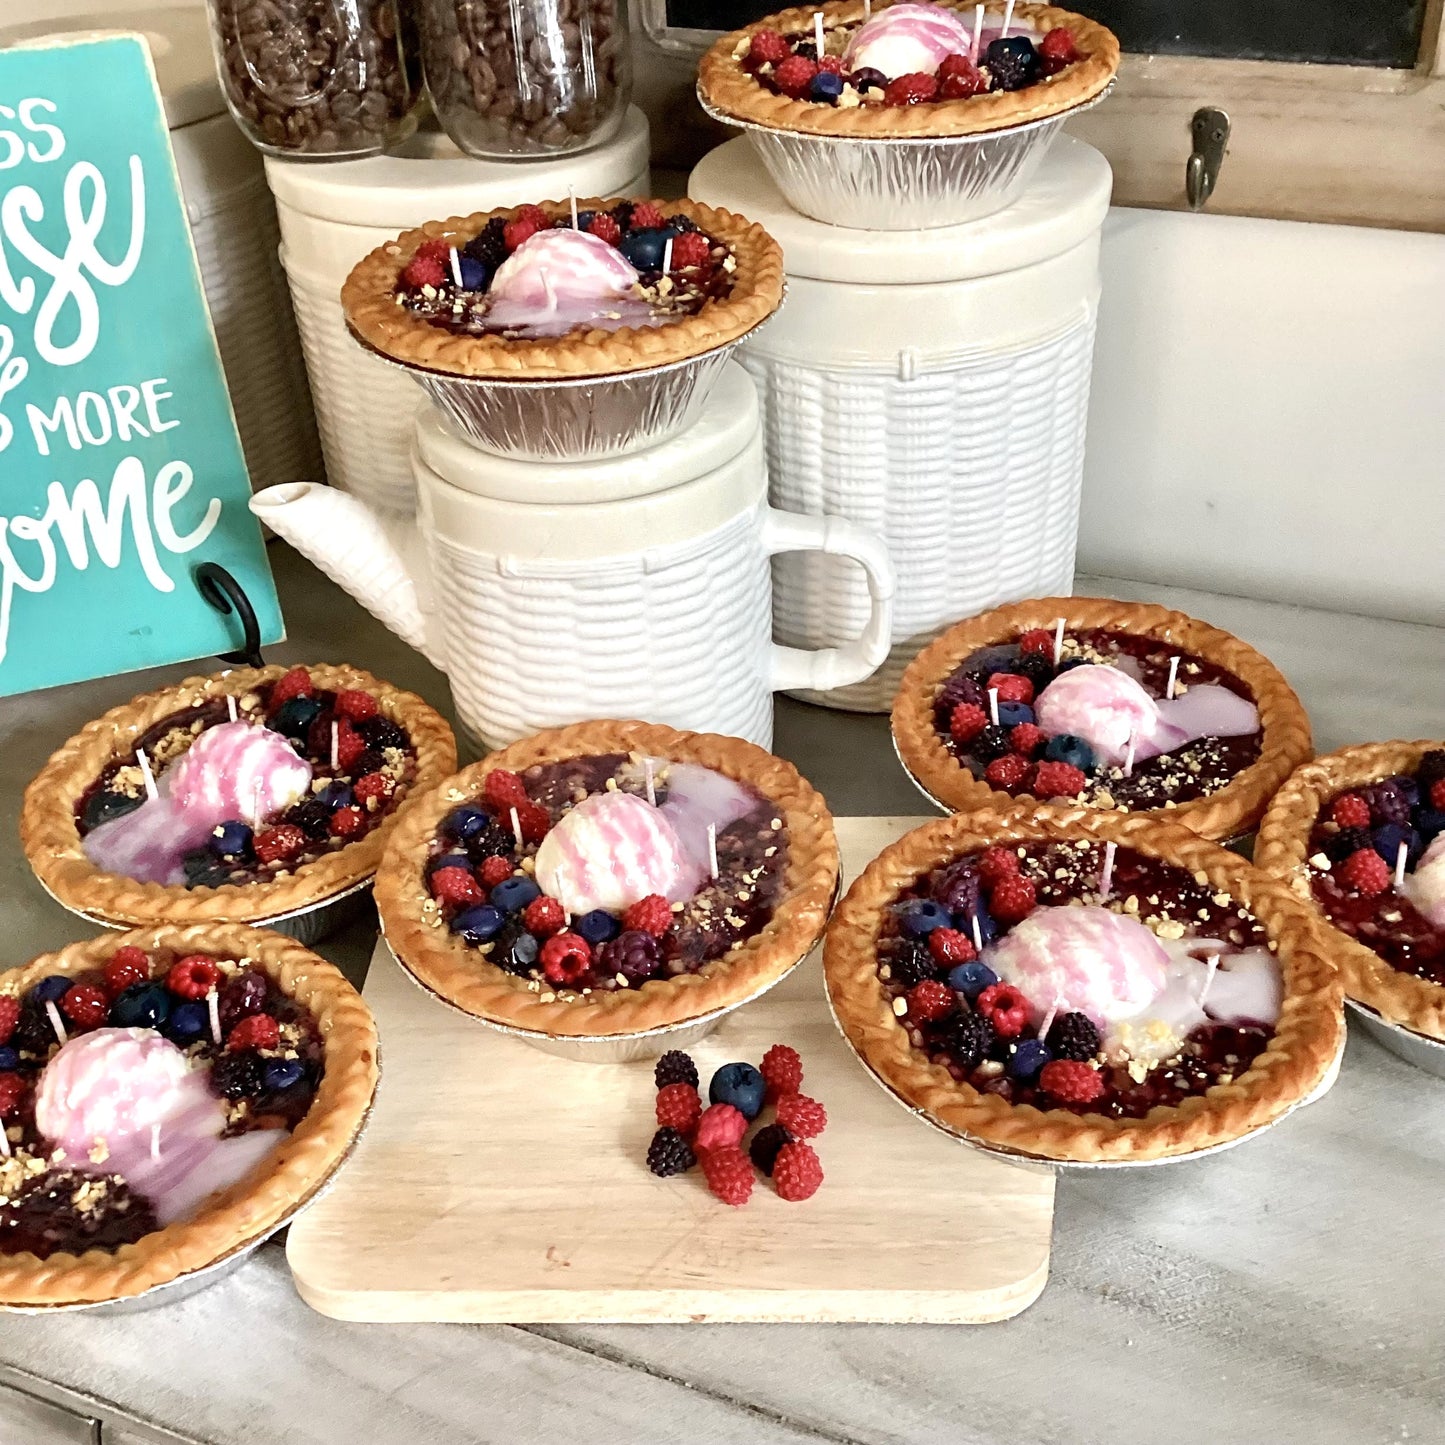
12, 1091
795, 75
375, 787
966, 722
997, 863
1351, 811
349, 745
729, 1175
830, 65
423, 271
930, 1000
255, 1031
961, 83
1058, 780
797, 1172
1011, 687
534, 821
802, 1117
1437, 795
652, 914
1057, 49
85, 1005
126, 966
646, 217
278, 844
719, 1127
347, 822
669, 1153
782, 1071
1005, 1008
295, 683
674, 1067
355, 704
679, 1107
10, 1016
496, 869
456, 887
504, 790
1070, 1082
437, 249
911, 89
193, 977
1008, 771
1365, 872
605, 228
544, 916
1013, 899
518, 232
1074, 1036
1038, 640
690, 251
949, 947
768, 48
1026, 739
565, 958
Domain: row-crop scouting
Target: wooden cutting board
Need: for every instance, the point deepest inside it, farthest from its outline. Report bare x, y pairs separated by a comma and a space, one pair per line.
496, 1183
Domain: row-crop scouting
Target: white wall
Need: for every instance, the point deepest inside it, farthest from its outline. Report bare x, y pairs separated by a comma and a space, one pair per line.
1267, 415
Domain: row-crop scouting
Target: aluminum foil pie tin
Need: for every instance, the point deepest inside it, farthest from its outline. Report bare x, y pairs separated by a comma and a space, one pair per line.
576, 420
1418, 1049
896, 184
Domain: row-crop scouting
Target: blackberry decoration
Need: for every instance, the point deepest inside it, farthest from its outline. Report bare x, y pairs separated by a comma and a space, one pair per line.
1074, 1036
488, 245
1013, 62
237, 1076
381, 733
669, 1153
966, 1039
1348, 841
312, 816
634, 954
911, 963
993, 742
1038, 669
674, 1067
763, 1150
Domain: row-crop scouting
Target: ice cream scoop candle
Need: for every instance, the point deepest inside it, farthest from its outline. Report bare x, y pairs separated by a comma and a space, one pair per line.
1425, 888
557, 279
906, 39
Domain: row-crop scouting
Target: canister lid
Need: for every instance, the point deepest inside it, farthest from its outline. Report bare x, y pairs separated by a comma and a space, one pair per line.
1063, 205
178, 37
430, 177
728, 425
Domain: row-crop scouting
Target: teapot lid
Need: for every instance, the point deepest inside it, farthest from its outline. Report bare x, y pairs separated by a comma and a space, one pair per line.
728, 424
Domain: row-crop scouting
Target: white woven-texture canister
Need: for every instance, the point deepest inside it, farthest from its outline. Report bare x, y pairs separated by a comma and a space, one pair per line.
333, 215
932, 389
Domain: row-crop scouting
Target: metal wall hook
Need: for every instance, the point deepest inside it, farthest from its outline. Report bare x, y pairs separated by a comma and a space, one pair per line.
1210, 129
225, 594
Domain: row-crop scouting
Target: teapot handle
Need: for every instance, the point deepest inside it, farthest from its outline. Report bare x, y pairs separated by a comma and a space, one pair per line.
822, 669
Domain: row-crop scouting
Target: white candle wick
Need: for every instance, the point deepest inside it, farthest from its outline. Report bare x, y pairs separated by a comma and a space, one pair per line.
1208, 979
1058, 641
1049, 1017
4, 1140
712, 849
1106, 878
213, 1007
978, 11
516, 827
56, 1022
455, 258
667, 257
818, 32
256, 818
647, 778
867, 11
1401, 854
231, 706
993, 705
335, 745
977, 933
1129, 757
1008, 18
152, 792
1173, 678
572, 201
155, 1141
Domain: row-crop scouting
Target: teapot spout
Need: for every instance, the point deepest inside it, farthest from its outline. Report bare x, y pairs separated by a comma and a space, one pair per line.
377, 560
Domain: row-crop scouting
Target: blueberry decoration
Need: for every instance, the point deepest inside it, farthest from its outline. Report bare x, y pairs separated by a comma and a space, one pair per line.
294, 717
740, 1085
1066, 748
987, 928
1011, 714
103, 807
141, 1006
1388, 837
989, 660
188, 1022
1028, 1058
598, 926
278, 1074
970, 979
448, 860
920, 916
515, 949
336, 795
474, 273
479, 924
644, 248
465, 822
826, 87
514, 894
52, 989
9, 1059
230, 840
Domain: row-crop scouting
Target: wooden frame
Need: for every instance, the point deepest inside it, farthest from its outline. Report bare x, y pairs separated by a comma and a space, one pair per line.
1358, 145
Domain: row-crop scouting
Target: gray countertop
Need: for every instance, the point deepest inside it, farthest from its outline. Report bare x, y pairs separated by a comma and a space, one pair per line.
1287, 1291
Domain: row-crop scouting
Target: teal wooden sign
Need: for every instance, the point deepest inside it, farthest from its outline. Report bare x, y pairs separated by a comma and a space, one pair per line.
120, 467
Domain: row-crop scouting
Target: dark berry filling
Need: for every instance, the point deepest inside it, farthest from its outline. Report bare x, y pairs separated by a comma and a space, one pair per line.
1017, 757
360, 773
480, 874
266, 1068
1354, 856
957, 1010
680, 269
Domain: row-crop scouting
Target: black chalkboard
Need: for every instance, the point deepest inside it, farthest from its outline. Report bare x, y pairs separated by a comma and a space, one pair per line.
1340, 32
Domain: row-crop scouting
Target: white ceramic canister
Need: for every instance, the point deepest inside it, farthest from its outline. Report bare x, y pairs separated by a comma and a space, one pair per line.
233, 224
931, 387
333, 215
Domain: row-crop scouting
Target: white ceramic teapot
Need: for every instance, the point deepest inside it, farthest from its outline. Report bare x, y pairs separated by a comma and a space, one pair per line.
637, 586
